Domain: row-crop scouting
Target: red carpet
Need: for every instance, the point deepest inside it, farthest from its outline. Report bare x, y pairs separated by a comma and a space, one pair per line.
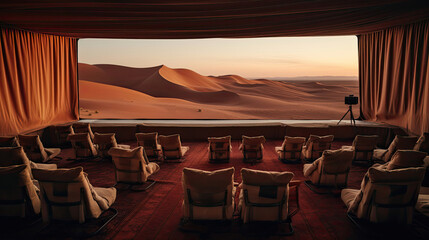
156, 213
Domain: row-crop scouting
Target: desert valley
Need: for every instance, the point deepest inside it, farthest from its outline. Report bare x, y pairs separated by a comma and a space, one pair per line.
119, 92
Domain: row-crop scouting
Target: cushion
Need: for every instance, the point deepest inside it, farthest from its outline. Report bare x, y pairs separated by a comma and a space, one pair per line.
365, 142
398, 175
348, 196
219, 139
253, 140
100, 138
78, 137
170, 141
405, 159
337, 160
9, 142
400, 142
59, 175
423, 143
128, 153
292, 140
13, 156
147, 136
261, 178
208, 181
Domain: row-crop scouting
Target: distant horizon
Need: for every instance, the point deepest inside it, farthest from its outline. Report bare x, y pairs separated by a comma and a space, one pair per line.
253, 58
294, 78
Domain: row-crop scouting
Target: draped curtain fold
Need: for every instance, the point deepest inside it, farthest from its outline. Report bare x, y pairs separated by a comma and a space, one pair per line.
394, 76
38, 80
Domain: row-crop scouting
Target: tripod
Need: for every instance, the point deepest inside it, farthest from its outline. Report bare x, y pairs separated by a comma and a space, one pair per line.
352, 118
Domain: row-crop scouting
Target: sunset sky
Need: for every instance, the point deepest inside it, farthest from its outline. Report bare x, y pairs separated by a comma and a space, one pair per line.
250, 58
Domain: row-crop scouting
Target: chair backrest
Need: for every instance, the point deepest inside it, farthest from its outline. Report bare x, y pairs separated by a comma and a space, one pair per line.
14, 156
363, 146
292, 147
389, 195
130, 164
149, 141
219, 147
265, 195
105, 141
400, 142
171, 146
9, 142
406, 159
33, 147
333, 168
317, 144
83, 128
208, 194
66, 194
82, 145
18, 196
252, 147
423, 143
60, 133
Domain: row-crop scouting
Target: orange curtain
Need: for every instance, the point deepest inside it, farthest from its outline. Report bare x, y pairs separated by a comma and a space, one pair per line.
394, 76
38, 80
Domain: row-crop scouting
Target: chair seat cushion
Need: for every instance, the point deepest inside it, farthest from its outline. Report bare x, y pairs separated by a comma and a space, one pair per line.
309, 168
379, 154
152, 168
124, 146
52, 152
348, 195
43, 166
105, 197
347, 147
184, 150
278, 149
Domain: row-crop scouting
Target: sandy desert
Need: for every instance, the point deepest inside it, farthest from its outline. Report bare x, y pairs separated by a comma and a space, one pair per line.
119, 92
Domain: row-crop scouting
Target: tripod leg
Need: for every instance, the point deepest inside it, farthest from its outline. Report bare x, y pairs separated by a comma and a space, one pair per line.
345, 114
352, 118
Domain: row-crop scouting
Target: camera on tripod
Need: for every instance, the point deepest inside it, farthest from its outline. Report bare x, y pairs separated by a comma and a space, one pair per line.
351, 100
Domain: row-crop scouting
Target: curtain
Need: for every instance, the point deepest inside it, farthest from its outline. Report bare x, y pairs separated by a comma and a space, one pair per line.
394, 76
38, 80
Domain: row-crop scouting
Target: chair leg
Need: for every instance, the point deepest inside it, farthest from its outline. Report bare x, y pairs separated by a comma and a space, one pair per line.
290, 228
115, 213
315, 189
150, 181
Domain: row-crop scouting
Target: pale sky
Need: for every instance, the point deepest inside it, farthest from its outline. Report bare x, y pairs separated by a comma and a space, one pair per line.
249, 57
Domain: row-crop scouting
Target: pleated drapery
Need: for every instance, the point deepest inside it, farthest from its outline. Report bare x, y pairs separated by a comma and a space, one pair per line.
38, 80
394, 76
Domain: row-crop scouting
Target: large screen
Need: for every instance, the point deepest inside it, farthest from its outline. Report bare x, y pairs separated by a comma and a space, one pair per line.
259, 78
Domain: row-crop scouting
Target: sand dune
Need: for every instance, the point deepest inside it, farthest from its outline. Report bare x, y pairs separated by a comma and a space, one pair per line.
111, 91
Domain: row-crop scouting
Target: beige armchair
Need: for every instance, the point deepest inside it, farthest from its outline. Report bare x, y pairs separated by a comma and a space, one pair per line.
386, 196
400, 142
208, 195
422, 144
291, 149
330, 170
264, 196
16, 156
104, 142
82, 145
67, 195
219, 149
132, 167
34, 149
363, 148
9, 142
315, 146
83, 128
149, 141
18, 196
252, 148
172, 148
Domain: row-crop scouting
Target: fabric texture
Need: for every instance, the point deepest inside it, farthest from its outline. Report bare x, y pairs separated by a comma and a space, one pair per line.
210, 19
291, 148
394, 76
149, 141
82, 145
315, 146
406, 159
38, 80
208, 187
219, 148
172, 147
9, 142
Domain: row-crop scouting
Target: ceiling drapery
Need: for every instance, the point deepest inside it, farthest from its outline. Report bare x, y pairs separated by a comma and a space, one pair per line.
180, 19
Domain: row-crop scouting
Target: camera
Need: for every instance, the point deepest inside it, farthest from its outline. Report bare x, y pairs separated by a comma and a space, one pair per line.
351, 100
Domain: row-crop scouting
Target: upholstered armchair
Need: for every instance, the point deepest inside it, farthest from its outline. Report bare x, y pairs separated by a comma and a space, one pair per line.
18, 195
363, 148
330, 170
264, 196
16, 156
132, 167
34, 149
172, 148
104, 142
82, 145
67, 195
388, 192
400, 142
9, 142
252, 148
291, 149
58, 135
83, 128
219, 149
149, 141
315, 146
208, 195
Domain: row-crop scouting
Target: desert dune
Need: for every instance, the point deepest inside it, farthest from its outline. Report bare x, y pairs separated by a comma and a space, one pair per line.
118, 92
